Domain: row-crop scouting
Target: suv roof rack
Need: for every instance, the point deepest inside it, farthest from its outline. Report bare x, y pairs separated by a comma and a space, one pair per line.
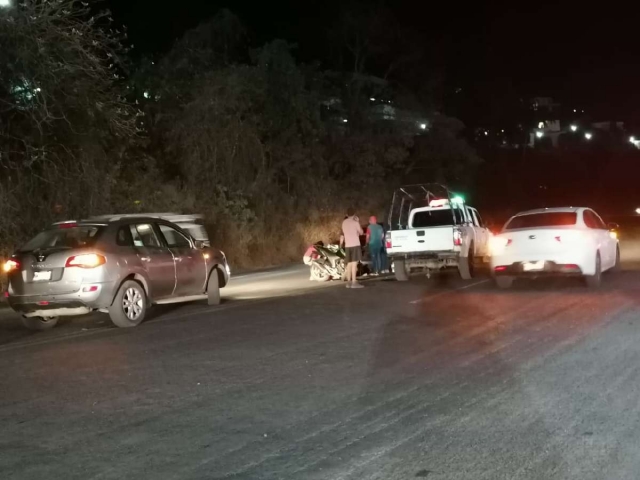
171, 217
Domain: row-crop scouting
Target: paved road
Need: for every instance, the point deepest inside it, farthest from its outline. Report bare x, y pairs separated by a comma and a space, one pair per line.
437, 379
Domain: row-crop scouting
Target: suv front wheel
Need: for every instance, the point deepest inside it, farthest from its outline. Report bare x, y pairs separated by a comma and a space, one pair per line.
130, 305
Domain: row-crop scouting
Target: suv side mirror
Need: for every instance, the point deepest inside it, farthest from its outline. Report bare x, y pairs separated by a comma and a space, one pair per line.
199, 244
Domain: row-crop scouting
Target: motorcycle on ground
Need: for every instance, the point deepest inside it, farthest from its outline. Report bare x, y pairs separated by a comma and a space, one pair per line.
328, 263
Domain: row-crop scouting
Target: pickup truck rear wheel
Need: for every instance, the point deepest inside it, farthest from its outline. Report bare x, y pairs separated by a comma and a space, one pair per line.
400, 269
465, 266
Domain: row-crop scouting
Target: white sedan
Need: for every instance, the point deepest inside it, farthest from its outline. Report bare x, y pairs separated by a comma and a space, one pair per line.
554, 241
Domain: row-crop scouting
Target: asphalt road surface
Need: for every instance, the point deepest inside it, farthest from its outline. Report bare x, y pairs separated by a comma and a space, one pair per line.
436, 378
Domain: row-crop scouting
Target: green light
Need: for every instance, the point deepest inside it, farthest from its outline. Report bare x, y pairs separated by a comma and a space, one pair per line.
457, 199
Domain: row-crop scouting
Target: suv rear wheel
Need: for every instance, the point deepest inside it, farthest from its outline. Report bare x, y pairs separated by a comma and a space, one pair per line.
40, 323
130, 305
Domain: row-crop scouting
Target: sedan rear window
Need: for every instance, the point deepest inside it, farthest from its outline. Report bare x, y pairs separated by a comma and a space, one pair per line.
64, 238
548, 219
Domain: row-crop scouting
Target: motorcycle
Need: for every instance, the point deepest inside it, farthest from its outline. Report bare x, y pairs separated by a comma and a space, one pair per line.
329, 263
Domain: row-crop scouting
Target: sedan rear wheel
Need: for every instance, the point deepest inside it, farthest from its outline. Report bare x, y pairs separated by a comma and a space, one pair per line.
40, 323
504, 282
593, 281
130, 305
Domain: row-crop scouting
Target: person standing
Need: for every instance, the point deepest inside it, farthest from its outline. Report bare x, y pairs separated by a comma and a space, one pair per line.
351, 230
375, 238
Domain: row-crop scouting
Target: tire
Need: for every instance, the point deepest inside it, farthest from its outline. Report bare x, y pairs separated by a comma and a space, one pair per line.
617, 266
594, 281
38, 324
213, 288
130, 305
318, 274
400, 269
465, 266
504, 283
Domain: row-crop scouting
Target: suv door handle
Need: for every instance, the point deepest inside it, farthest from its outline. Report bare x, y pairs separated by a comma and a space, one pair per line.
145, 259
177, 259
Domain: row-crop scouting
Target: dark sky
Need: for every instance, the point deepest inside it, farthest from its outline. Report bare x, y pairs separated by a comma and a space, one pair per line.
583, 55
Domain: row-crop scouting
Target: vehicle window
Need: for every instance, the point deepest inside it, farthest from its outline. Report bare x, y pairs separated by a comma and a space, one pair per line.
547, 219
479, 219
589, 219
599, 221
472, 215
435, 218
144, 235
64, 237
174, 238
123, 237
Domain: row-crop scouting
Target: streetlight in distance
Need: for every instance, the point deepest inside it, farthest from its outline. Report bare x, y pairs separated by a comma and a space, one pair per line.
588, 136
574, 128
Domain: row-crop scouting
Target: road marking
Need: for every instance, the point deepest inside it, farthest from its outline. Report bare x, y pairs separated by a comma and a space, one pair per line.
439, 294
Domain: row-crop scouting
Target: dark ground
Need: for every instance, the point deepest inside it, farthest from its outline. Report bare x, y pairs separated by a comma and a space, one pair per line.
438, 379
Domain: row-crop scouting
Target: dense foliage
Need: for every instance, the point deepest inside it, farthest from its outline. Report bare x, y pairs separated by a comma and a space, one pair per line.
272, 151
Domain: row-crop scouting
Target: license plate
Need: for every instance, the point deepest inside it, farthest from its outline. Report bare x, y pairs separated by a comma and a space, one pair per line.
533, 266
42, 276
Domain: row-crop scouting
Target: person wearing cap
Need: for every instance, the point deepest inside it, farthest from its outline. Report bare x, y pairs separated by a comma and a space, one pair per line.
375, 238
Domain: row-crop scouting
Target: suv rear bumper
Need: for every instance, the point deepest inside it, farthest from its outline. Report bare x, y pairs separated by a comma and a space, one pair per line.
76, 303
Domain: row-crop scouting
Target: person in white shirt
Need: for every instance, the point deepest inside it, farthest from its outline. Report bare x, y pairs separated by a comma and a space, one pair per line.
351, 230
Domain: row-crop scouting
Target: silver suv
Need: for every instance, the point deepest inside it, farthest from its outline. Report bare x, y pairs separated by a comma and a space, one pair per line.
119, 265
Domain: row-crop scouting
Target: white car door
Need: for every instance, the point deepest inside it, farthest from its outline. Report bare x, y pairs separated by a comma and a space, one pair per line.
610, 241
601, 237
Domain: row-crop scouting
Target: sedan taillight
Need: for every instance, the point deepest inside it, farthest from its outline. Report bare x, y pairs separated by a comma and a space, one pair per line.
387, 240
87, 260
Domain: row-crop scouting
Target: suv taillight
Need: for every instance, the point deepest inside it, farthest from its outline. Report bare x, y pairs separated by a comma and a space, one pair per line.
457, 237
87, 260
387, 240
10, 265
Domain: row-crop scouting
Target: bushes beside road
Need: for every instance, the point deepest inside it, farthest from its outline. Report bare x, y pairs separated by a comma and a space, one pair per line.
271, 151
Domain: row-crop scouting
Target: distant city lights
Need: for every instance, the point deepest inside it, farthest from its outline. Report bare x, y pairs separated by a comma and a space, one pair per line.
539, 134
574, 128
344, 120
540, 124
5, 3
372, 99
588, 136
638, 211
423, 126
632, 139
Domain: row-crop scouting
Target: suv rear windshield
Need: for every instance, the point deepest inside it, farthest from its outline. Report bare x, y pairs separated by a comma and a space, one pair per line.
549, 219
64, 238
436, 218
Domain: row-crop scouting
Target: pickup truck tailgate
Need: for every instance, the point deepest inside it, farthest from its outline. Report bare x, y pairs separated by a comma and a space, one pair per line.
433, 239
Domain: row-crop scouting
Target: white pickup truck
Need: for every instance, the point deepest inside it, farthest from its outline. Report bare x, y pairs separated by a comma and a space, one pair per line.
434, 232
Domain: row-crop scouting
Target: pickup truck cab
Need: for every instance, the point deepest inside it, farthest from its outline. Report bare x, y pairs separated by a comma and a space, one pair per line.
446, 233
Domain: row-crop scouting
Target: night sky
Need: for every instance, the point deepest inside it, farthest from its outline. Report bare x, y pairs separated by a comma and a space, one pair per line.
583, 56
